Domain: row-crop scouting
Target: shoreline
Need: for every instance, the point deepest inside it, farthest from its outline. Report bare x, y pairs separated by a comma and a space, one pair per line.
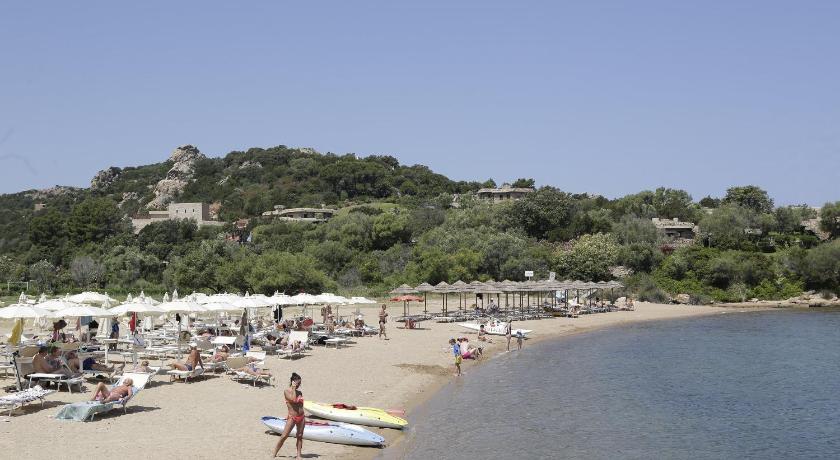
216, 416
396, 440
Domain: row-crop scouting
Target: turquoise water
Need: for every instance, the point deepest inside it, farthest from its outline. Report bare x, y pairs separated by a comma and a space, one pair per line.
761, 385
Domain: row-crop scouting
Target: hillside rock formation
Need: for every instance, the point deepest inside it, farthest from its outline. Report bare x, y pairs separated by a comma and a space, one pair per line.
181, 173
105, 178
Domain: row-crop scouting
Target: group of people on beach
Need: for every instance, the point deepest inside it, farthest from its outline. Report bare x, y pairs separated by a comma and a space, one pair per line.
462, 349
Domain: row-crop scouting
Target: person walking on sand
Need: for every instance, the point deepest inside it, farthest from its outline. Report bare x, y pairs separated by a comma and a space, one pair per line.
519, 338
508, 333
296, 418
456, 350
383, 317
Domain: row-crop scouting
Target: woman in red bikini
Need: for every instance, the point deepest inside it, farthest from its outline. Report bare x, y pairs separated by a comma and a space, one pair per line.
294, 402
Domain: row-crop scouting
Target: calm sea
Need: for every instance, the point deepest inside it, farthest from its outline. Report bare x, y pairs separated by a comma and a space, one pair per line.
761, 385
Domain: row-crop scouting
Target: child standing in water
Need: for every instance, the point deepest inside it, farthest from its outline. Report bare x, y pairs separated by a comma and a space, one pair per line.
456, 350
519, 338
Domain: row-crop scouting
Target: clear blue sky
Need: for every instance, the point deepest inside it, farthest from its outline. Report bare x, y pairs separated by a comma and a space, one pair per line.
605, 97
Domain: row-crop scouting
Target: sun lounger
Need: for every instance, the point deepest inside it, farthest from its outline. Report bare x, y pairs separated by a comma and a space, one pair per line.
300, 336
87, 410
258, 355
21, 398
58, 379
236, 363
185, 375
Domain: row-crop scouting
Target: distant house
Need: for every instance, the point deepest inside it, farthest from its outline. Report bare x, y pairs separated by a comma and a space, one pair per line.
503, 193
199, 212
675, 229
301, 214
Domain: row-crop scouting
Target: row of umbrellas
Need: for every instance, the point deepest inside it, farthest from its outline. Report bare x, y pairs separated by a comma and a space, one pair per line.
500, 287
80, 304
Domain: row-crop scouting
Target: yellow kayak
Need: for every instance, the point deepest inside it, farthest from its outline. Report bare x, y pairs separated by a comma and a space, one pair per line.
369, 416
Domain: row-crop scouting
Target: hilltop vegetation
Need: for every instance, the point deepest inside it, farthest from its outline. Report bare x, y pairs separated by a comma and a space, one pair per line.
396, 225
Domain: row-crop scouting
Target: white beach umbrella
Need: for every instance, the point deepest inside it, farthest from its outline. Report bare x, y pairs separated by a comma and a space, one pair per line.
129, 298
17, 310
281, 299
304, 299
181, 306
91, 297
82, 310
135, 307
221, 307
56, 304
22, 298
332, 298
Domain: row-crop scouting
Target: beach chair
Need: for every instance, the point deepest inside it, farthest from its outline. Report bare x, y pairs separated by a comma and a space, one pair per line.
58, 379
176, 374
258, 355
302, 337
239, 362
22, 398
87, 410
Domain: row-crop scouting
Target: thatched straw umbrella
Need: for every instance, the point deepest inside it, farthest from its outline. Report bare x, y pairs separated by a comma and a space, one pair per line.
460, 287
444, 288
425, 288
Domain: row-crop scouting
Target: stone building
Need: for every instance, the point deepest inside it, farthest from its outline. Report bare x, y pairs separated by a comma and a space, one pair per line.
503, 193
301, 214
676, 229
199, 212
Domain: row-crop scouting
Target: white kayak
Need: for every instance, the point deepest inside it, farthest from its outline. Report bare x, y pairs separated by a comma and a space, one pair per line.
369, 416
494, 328
326, 431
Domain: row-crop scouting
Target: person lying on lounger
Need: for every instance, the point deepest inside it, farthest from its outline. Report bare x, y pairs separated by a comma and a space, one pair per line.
89, 364
221, 354
108, 395
143, 368
251, 369
193, 360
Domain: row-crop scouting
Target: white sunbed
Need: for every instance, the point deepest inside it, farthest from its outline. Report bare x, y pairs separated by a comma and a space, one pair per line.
21, 398
185, 375
236, 363
302, 337
87, 410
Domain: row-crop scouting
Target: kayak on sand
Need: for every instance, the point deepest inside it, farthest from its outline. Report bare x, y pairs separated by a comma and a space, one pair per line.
369, 416
326, 431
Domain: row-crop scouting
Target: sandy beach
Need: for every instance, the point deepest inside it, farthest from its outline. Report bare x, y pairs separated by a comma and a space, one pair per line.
216, 417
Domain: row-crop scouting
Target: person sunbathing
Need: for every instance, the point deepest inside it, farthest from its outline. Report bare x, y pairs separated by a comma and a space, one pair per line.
110, 395
221, 354
143, 368
192, 362
89, 364
251, 369
41, 364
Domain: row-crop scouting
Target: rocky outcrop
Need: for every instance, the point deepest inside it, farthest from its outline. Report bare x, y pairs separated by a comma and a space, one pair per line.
251, 164
683, 299
129, 196
58, 190
103, 179
183, 161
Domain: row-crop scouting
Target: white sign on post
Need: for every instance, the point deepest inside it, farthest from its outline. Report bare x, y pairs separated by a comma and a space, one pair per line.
529, 273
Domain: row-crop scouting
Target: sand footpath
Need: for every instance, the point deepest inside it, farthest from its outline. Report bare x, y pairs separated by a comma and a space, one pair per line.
217, 417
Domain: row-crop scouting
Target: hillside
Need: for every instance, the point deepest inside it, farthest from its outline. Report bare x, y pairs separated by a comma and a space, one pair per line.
396, 224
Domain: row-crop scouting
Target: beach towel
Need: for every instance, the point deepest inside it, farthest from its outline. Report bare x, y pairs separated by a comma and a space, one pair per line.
82, 411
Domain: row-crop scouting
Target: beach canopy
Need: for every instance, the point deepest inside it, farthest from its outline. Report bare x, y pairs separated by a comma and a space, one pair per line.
180, 306
81, 311
221, 306
135, 307
17, 310
90, 297
424, 287
56, 304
